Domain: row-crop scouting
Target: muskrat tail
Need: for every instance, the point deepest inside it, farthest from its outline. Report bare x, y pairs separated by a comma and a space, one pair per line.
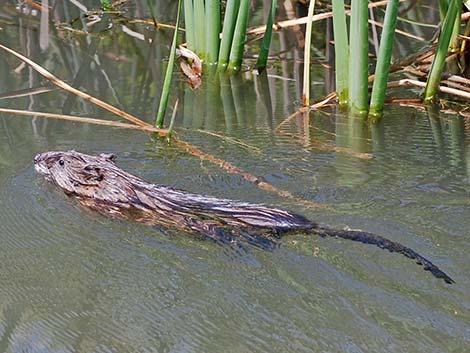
381, 242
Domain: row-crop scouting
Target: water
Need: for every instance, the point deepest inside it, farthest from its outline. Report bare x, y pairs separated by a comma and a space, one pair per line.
74, 281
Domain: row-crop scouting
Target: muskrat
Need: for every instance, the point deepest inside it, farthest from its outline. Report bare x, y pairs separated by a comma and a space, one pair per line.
97, 183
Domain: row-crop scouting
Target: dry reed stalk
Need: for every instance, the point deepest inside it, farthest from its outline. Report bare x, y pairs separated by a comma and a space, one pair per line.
398, 31
150, 22
409, 82
26, 92
290, 118
303, 20
65, 86
317, 105
161, 132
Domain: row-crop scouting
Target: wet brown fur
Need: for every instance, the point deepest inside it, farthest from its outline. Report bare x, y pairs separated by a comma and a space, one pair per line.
97, 183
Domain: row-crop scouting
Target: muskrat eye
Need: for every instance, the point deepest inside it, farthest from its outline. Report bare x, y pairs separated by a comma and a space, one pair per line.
61, 162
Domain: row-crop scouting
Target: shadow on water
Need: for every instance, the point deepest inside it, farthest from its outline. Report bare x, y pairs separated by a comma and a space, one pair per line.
73, 281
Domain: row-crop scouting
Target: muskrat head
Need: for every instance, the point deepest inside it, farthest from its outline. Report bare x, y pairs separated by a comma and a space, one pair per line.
72, 171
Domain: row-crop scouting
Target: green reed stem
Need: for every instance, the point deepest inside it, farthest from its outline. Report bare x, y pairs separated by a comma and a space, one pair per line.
189, 24
230, 20
434, 78
359, 61
454, 41
264, 49
168, 75
307, 51
172, 121
239, 35
213, 31
382, 68
152, 12
200, 27
443, 5
341, 52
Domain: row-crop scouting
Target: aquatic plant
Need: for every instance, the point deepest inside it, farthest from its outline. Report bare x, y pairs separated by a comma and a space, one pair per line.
221, 43
230, 20
358, 57
307, 50
168, 75
382, 68
264, 50
341, 52
438, 63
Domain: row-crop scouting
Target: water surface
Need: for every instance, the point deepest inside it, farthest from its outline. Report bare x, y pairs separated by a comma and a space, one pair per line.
74, 281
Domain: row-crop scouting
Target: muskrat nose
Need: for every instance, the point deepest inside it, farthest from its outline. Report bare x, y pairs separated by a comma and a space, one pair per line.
38, 158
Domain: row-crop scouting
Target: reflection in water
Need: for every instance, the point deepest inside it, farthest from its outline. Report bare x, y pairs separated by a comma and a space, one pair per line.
352, 133
72, 281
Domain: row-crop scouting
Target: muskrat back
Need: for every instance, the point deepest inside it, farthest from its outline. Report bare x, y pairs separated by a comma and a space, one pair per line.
98, 178
97, 183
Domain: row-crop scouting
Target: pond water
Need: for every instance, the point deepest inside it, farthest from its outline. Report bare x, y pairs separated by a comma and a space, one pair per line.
75, 281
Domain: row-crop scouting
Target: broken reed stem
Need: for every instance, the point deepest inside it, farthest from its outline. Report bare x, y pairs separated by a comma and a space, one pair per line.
409, 82
303, 20
301, 110
290, 117
161, 132
65, 86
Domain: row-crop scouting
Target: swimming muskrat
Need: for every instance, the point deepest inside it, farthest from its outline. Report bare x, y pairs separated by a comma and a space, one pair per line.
97, 183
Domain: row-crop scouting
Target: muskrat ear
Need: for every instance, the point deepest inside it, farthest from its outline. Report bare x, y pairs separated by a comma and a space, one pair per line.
108, 156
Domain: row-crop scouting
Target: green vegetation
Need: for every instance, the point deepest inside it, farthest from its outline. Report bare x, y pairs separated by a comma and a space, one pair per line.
239, 35
211, 42
359, 57
230, 20
307, 51
341, 52
448, 28
264, 51
220, 34
227, 43
168, 75
382, 67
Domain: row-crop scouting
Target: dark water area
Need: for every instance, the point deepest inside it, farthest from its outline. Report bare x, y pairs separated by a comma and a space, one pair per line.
74, 281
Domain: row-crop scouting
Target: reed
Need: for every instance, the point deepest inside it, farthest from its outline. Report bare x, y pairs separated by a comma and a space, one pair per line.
168, 75
341, 52
230, 20
434, 78
455, 41
239, 35
200, 27
264, 50
307, 51
189, 24
217, 43
150, 5
212, 11
382, 68
172, 122
358, 60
